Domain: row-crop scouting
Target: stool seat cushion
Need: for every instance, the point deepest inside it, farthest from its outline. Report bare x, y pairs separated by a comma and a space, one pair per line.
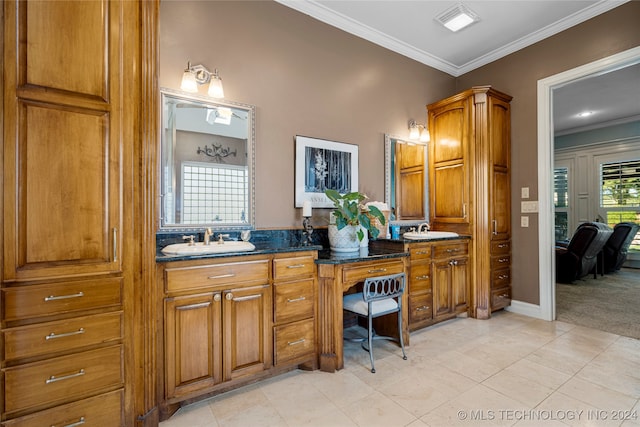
356, 303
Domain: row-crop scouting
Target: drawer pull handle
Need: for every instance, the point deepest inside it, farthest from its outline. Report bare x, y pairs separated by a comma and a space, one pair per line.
453, 250
115, 244
503, 260
423, 277
53, 378
222, 276
421, 252
377, 270
423, 308
503, 245
53, 335
503, 276
59, 297
300, 341
504, 296
77, 423
296, 299
453, 262
296, 266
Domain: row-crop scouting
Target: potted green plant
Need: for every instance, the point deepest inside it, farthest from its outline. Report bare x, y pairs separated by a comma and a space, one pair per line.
351, 220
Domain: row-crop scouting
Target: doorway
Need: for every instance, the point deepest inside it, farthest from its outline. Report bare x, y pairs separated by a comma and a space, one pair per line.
546, 237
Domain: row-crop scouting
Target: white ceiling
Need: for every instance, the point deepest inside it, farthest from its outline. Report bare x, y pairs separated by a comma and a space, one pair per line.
409, 28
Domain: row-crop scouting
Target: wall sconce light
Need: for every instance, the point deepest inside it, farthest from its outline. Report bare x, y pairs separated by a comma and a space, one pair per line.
418, 132
195, 75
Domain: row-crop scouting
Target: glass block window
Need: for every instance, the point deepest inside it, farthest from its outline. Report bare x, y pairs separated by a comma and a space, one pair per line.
214, 193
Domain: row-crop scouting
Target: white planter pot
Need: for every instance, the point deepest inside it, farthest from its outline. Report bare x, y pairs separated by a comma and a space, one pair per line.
345, 240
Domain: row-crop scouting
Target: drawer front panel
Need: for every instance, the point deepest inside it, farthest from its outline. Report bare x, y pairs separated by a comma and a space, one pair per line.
500, 278
62, 379
104, 410
450, 250
501, 261
500, 247
51, 299
184, 278
360, 273
287, 268
294, 340
420, 279
420, 307
500, 298
293, 300
62, 335
419, 252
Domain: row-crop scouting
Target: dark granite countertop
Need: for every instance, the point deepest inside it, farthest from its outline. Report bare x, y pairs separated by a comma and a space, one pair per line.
439, 239
327, 256
262, 248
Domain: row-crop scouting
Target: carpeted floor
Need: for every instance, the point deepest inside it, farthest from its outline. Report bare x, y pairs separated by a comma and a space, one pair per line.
610, 303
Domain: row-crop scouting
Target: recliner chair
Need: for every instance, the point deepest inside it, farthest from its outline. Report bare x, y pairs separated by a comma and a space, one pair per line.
580, 257
615, 249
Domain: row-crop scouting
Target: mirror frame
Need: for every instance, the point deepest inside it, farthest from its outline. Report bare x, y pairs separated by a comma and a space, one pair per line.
251, 162
388, 155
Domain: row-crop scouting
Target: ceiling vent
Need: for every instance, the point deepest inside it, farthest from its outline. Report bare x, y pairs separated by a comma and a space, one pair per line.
457, 17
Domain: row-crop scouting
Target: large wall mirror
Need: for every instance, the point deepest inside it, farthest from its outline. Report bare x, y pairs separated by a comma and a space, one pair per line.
406, 175
207, 163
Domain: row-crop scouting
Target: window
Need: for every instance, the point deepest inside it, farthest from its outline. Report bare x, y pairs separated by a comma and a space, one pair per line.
620, 193
214, 193
561, 202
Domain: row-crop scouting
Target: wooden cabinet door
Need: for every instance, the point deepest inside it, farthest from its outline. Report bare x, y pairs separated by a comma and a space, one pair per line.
63, 137
500, 183
449, 169
441, 283
248, 346
459, 285
193, 344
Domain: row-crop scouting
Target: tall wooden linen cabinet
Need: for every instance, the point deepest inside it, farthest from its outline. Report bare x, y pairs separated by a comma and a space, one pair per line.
77, 131
469, 187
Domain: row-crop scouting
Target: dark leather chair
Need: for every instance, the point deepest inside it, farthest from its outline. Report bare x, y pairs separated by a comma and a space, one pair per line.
615, 250
580, 256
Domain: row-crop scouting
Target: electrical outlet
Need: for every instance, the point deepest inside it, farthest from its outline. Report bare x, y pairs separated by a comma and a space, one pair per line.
524, 221
524, 192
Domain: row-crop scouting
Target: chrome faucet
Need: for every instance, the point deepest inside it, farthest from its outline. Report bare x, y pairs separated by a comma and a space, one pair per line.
207, 235
425, 225
221, 238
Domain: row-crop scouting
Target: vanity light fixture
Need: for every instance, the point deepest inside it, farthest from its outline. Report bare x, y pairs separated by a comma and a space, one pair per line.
457, 17
418, 132
195, 75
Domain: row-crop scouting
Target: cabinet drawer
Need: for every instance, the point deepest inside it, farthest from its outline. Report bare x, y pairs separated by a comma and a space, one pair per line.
420, 279
450, 250
500, 278
286, 268
500, 247
51, 299
501, 261
500, 298
204, 276
419, 252
360, 273
293, 300
62, 335
62, 379
420, 307
293, 340
104, 410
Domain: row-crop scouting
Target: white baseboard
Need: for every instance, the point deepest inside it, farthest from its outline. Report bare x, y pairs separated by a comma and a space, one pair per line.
526, 309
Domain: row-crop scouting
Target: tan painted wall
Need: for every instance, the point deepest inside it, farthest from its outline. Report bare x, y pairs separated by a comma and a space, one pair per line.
308, 78
305, 78
518, 74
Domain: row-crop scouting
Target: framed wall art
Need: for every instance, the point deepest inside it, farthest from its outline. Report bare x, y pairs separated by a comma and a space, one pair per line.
324, 165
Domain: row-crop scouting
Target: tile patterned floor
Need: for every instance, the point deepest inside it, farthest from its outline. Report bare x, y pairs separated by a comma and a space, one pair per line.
510, 370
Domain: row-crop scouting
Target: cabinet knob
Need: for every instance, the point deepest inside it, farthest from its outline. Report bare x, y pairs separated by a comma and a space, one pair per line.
217, 297
229, 296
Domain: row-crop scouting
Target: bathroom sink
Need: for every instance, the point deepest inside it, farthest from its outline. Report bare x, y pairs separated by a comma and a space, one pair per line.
414, 235
212, 248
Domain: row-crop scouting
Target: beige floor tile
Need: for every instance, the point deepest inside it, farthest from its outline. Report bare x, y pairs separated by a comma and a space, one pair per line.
195, 415
520, 388
597, 395
342, 387
378, 410
572, 412
614, 377
560, 361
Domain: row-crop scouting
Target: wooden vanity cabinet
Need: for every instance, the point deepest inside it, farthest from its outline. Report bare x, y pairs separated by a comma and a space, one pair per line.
470, 189
420, 287
233, 320
68, 166
450, 280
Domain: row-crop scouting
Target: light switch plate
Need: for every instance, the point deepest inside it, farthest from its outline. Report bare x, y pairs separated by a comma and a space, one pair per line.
529, 207
524, 192
524, 221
